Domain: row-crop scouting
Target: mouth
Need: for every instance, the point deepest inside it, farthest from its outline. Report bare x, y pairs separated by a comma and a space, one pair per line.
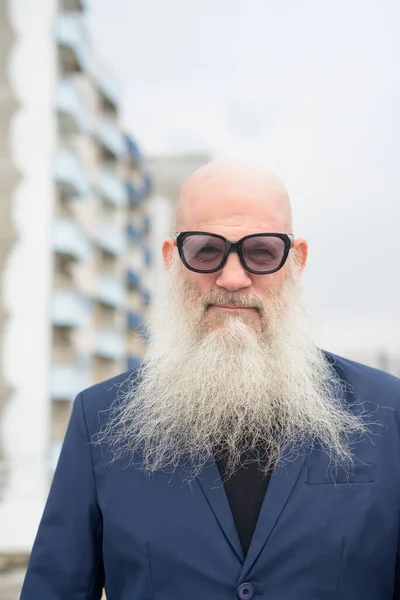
231, 307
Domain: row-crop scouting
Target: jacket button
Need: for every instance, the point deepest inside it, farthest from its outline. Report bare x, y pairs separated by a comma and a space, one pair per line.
245, 591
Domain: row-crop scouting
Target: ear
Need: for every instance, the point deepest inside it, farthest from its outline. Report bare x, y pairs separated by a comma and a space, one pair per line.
300, 247
167, 251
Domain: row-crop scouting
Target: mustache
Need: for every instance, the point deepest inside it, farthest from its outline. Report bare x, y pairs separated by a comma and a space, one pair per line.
234, 299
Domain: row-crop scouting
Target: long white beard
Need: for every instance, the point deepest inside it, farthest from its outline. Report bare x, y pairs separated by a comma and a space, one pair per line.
267, 390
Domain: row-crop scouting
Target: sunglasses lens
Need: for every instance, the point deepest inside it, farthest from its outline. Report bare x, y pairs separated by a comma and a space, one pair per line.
263, 253
203, 252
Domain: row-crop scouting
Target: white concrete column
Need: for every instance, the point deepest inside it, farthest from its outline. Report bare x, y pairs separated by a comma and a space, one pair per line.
27, 277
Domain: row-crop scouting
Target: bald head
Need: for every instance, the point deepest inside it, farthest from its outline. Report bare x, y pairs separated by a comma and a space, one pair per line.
236, 199
231, 193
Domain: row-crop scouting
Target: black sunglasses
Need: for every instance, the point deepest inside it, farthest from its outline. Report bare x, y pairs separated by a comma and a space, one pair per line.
261, 253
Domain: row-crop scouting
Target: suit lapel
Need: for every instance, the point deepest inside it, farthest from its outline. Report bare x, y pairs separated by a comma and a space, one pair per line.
211, 484
280, 487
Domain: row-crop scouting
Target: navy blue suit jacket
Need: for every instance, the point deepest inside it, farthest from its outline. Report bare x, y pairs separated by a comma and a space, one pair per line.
158, 539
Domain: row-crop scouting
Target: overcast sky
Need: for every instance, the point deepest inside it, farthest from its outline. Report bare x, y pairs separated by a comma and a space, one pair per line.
311, 89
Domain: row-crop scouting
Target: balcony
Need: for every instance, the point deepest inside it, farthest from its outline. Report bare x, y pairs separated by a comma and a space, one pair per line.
133, 361
146, 295
111, 139
71, 108
112, 188
111, 239
109, 345
135, 321
133, 150
132, 279
134, 234
146, 224
67, 380
148, 183
70, 174
71, 38
111, 291
109, 88
69, 240
148, 257
70, 309
135, 195
72, 5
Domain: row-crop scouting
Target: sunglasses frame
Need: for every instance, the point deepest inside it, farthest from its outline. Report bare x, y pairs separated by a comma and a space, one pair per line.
287, 238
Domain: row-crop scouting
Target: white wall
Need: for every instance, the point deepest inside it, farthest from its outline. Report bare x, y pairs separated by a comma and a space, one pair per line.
27, 278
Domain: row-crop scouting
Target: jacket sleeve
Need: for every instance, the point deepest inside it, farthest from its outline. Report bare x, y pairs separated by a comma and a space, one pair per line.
66, 560
396, 590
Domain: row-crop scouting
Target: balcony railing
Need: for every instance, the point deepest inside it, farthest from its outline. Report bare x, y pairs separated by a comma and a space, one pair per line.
110, 344
109, 87
135, 194
148, 183
135, 321
111, 291
112, 188
111, 239
146, 224
70, 174
133, 361
67, 380
134, 233
111, 138
133, 150
72, 5
70, 309
132, 279
69, 240
71, 108
148, 257
146, 295
71, 37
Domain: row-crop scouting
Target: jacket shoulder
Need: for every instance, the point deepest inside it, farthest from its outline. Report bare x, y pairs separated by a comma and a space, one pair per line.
366, 380
98, 399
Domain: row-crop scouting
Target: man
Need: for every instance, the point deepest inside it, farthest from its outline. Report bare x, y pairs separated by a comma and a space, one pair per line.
239, 461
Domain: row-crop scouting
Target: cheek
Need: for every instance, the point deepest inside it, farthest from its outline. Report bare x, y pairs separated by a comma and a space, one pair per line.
202, 284
266, 286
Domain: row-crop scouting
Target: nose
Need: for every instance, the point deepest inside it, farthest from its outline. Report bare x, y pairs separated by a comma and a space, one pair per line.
233, 276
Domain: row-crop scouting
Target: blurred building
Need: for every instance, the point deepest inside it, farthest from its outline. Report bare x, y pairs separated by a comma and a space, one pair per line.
75, 257
169, 171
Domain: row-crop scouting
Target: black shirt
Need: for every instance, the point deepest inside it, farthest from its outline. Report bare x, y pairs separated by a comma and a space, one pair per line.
245, 490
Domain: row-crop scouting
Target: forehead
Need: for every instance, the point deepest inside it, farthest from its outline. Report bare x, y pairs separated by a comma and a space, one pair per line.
233, 205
